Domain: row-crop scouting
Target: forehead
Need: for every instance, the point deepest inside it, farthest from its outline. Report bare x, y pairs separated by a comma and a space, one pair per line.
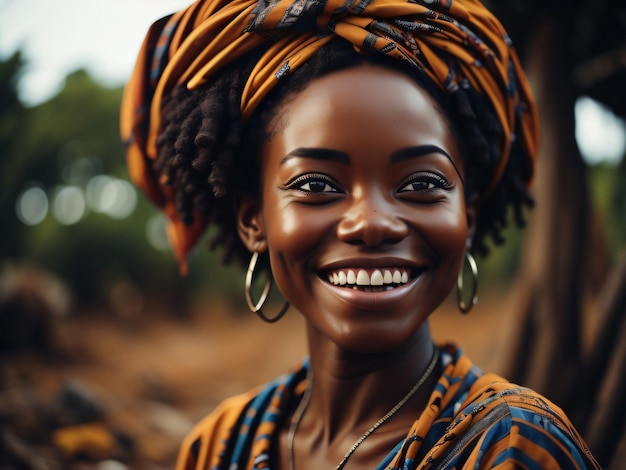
364, 108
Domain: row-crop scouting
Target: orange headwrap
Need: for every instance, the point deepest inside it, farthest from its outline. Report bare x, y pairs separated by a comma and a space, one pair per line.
457, 43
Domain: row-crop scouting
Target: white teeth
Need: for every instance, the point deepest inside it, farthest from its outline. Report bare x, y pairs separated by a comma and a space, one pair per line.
363, 278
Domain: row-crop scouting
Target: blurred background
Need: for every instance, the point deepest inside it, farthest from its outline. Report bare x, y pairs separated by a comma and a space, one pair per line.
108, 356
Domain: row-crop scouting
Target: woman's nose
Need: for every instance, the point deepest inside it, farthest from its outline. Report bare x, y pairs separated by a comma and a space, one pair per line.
371, 224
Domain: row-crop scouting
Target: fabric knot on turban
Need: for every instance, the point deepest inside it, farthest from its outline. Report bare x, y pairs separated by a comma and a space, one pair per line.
456, 43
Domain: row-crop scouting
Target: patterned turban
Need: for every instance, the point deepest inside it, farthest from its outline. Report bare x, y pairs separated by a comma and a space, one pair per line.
457, 43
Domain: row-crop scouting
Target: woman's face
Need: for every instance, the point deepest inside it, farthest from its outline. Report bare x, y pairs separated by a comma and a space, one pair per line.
362, 210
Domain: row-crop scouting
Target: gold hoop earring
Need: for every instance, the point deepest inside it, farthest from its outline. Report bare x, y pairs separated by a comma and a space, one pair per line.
256, 308
463, 307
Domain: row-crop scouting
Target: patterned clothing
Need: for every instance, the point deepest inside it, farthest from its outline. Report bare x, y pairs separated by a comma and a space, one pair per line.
457, 44
473, 420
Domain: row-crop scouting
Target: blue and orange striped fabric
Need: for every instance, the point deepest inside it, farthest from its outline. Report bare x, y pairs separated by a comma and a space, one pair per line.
473, 420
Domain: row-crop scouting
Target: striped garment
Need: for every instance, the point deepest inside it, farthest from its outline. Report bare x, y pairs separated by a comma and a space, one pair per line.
473, 420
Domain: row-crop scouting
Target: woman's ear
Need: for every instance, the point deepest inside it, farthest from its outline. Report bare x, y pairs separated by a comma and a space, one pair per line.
472, 204
250, 224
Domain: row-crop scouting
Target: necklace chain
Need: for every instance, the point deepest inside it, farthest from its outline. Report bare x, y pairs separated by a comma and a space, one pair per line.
304, 403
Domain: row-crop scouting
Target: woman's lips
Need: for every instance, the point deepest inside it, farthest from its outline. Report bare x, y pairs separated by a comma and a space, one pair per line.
365, 291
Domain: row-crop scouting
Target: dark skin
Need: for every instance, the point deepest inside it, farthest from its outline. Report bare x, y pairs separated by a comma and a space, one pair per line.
363, 180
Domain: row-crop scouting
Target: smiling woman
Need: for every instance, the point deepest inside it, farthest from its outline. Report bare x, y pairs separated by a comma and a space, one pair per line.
371, 211
357, 153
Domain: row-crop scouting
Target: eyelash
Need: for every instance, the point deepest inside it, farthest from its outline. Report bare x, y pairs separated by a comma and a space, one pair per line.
437, 182
301, 181
432, 180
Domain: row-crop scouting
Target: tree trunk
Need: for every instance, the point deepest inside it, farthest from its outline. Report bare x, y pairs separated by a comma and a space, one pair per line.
550, 282
604, 409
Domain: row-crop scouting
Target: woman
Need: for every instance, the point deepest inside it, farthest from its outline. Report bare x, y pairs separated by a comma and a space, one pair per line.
358, 153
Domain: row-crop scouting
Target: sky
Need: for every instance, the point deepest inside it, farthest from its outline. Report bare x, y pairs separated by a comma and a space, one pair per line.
60, 36
104, 36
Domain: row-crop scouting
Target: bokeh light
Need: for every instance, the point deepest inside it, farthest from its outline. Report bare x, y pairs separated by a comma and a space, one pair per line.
111, 196
31, 206
156, 233
80, 171
601, 136
69, 205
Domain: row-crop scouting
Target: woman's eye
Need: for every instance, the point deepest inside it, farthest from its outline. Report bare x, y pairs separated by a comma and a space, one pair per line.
313, 184
418, 186
317, 186
424, 182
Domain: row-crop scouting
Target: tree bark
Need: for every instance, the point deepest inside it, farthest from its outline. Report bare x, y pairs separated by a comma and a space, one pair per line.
547, 355
605, 409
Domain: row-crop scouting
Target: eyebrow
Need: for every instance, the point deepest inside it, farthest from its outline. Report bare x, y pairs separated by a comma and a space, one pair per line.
339, 156
420, 151
318, 154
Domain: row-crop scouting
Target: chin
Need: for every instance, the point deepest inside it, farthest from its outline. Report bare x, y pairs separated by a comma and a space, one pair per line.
375, 337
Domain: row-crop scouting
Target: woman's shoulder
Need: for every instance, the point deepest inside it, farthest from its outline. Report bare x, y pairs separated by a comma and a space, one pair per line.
491, 421
215, 437
200, 446
521, 425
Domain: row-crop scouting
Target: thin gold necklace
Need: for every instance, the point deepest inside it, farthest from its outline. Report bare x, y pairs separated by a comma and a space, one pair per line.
297, 416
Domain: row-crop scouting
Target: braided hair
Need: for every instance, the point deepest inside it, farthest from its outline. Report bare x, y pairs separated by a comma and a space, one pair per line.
208, 155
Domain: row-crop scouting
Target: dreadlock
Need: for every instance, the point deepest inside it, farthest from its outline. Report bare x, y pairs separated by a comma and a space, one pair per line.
208, 155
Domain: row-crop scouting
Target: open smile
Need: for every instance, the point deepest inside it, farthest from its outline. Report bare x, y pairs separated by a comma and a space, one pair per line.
372, 288
371, 280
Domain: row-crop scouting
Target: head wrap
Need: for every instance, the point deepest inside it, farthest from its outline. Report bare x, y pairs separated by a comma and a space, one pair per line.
457, 43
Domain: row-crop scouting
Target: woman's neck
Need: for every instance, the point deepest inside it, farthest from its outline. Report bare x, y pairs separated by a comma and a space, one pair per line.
352, 391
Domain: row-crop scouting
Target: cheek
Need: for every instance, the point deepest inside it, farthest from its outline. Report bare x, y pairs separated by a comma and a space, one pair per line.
294, 228
294, 233
294, 236
454, 235
445, 230
452, 226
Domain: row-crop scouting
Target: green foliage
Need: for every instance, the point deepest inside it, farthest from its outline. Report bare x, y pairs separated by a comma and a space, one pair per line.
11, 110
499, 268
12, 118
609, 198
69, 140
